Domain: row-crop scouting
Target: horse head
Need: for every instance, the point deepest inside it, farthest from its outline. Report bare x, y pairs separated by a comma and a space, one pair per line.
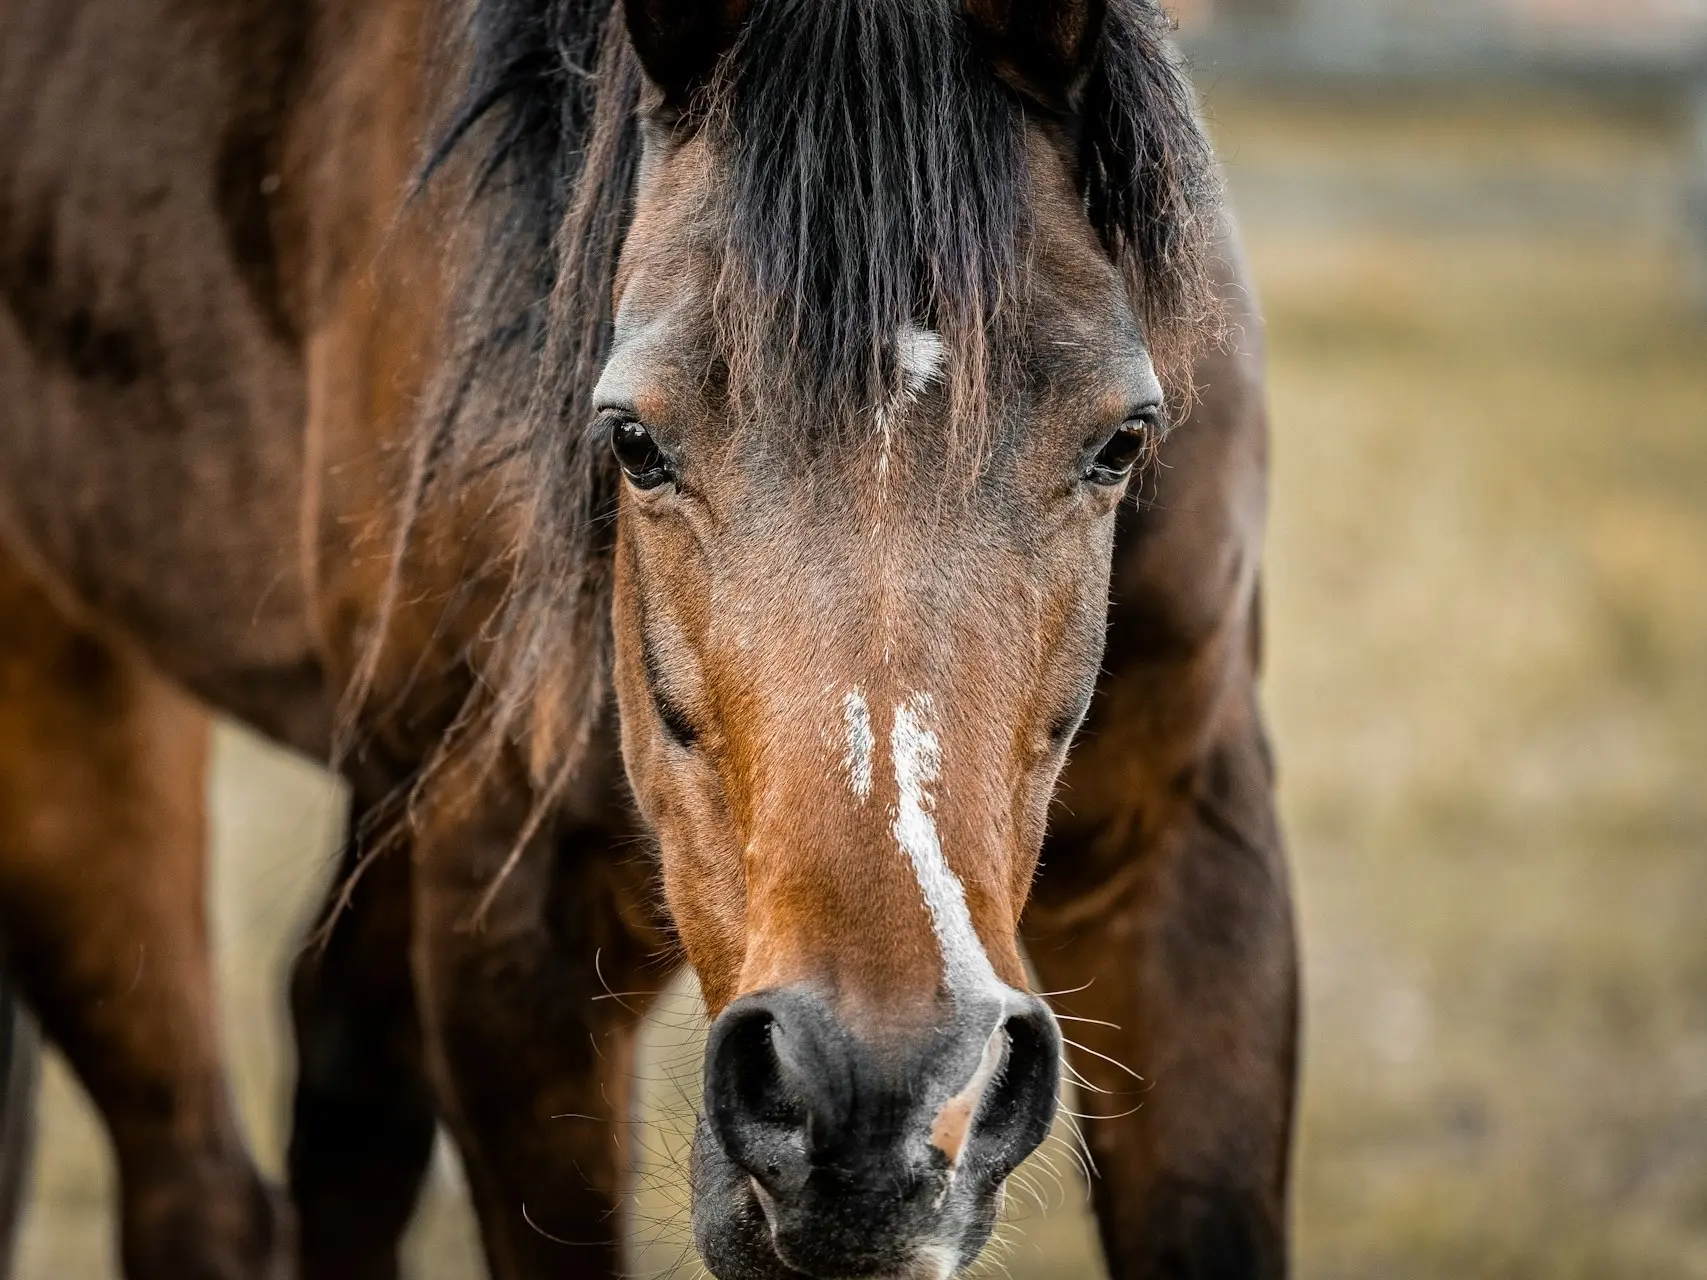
884, 368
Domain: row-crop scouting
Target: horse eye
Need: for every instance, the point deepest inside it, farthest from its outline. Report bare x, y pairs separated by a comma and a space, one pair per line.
1122, 452
638, 455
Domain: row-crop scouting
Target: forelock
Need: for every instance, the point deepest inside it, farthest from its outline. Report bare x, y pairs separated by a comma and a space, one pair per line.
876, 186
876, 182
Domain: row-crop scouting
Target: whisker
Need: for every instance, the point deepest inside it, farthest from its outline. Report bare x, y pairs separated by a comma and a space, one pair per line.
1084, 1146
1113, 1062
1095, 1022
1079, 1079
1070, 991
573, 1244
1118, 1115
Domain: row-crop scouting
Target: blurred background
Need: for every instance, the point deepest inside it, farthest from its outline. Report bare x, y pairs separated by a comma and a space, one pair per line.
1480, 232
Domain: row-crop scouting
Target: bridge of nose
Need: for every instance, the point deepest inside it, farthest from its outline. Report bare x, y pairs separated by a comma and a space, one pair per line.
877, 774
874, 868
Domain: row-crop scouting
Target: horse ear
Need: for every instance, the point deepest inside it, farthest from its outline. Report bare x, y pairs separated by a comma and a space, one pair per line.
1043, 49
680, 41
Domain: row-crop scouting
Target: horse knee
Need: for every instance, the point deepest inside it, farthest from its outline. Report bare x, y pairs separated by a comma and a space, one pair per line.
207, 1216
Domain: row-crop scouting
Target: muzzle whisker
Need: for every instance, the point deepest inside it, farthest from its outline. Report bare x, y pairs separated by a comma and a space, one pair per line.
1026, 1183
1002, 1246
1095, 1022
1089, 1161
573, 1244
1118, 1115
1043, 1161
1080, 1080
1034, 1185
1069, 991
682, 1255
1078, 1160
1113, 1062
598, 971
663, 1157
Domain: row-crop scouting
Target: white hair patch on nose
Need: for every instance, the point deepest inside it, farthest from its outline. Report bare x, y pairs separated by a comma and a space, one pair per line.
918, 762
860, 743
937, 1261
953, 1124
921, 354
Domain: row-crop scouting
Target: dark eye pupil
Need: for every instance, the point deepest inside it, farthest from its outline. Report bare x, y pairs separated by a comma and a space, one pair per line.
639, 455
1121, 453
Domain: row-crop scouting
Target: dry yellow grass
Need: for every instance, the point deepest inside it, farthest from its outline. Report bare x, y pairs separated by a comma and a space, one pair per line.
1488, 682
1489, 575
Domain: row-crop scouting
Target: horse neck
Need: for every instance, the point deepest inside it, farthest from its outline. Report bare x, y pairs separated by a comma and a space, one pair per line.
384, 553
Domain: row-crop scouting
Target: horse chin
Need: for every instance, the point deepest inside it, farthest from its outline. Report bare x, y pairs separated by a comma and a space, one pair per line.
734, 1234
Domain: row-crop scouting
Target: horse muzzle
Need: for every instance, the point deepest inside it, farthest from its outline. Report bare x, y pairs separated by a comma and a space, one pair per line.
822, 1155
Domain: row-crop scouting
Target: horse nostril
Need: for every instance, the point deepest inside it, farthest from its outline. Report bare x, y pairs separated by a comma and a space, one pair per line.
1019, 1107
755, 1114
778, 1083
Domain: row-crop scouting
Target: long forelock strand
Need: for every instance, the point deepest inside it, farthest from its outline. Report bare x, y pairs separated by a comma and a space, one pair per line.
1152, 188
876, 179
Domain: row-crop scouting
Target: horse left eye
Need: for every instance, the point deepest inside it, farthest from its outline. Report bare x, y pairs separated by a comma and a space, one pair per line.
1122, 452
638, 454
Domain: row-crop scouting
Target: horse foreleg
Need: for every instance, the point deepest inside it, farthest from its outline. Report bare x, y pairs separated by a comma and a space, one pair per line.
1175, 961
102, 912
20, 1062
363, 1121
532, 1009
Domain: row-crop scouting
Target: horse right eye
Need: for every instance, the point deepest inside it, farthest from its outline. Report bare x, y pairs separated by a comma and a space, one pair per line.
1124, 449
642, 461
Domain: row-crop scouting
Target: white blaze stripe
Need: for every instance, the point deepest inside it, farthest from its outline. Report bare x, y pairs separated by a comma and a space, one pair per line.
918, 762
860, 743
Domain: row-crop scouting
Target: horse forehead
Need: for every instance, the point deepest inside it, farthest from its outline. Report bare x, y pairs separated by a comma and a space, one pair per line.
921, 354
1079, 352
651, 341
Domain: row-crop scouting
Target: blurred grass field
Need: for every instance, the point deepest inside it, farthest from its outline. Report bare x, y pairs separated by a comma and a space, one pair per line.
1487, 593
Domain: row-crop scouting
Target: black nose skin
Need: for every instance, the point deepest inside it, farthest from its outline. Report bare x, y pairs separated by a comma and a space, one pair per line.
777, 1078
814, 1155
808, 1113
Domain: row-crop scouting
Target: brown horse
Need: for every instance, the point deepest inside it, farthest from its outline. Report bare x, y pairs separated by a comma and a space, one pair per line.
752, 385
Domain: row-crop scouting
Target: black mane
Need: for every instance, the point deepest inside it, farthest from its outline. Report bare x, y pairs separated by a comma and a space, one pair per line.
877, 176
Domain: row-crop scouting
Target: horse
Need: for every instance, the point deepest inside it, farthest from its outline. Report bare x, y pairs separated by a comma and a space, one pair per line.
697, 469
